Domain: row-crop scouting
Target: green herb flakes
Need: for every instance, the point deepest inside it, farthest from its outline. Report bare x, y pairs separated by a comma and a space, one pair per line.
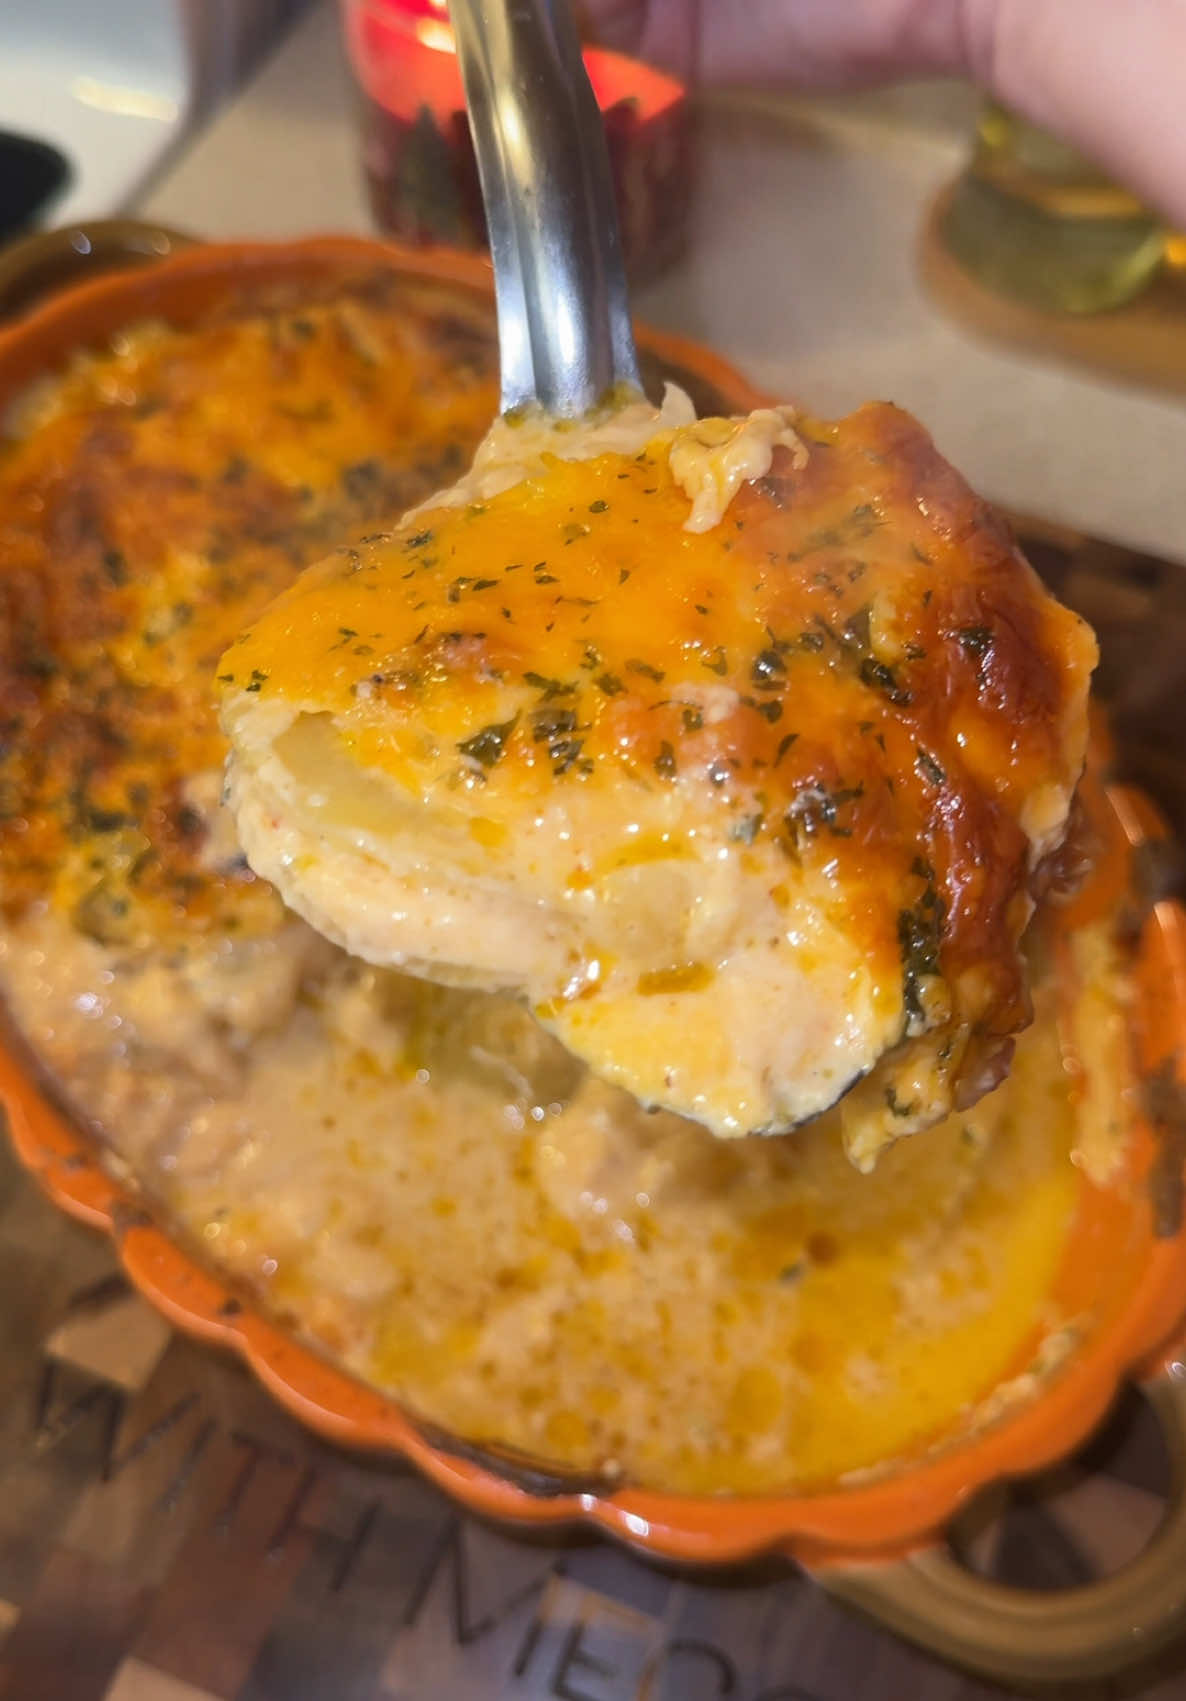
745, 831
928, 767
489, 745
880, 677
549, 687
768, 668
976, 640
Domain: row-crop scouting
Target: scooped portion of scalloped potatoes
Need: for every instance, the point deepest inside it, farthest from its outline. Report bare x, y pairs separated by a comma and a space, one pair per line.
732, 747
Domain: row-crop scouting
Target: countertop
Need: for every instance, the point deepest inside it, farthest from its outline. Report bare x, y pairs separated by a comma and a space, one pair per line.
801, 269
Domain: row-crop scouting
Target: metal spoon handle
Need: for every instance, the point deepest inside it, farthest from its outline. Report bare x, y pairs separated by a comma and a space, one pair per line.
563, 312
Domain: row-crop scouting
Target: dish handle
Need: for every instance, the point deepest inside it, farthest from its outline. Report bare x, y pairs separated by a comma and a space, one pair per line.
1019, 1635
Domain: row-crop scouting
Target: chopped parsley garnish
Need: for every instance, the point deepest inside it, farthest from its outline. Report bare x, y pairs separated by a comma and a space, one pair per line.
919, 932
564, 753
550, 687
928, 767
975, 639
856, 629
745, 831
816, 809
548, 724
768, 667
770, 710
880, 677
487, 746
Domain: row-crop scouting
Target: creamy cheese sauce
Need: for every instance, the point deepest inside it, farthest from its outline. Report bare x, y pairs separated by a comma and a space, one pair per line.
438, 1194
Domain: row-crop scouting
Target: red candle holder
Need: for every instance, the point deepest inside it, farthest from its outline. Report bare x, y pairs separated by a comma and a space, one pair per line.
421, 174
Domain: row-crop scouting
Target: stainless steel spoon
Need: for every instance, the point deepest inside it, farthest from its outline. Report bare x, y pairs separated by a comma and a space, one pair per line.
564, 331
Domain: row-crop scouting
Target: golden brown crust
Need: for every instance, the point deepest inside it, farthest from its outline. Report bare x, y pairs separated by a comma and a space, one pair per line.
159, 495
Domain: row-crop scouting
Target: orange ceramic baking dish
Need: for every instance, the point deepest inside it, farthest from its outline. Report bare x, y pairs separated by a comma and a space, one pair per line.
877, 1541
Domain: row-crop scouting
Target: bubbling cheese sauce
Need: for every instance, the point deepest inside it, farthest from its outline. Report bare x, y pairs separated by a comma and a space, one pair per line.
432, 1190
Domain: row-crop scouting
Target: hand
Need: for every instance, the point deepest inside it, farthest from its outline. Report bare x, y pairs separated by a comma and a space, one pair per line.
1107, 75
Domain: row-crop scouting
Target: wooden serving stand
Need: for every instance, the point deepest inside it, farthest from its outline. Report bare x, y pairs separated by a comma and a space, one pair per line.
1143, 342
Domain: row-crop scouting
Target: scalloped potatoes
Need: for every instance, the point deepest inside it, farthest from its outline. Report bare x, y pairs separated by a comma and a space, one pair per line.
732, 747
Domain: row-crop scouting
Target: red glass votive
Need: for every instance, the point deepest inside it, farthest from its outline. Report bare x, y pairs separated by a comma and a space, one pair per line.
421, 173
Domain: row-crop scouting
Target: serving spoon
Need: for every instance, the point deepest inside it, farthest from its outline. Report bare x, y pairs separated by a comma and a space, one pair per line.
564, 332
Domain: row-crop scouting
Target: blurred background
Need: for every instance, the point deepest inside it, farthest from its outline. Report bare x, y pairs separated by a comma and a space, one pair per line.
94, 97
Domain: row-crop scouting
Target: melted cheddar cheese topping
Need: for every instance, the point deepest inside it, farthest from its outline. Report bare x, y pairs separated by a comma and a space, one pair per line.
696, 793
152, 499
